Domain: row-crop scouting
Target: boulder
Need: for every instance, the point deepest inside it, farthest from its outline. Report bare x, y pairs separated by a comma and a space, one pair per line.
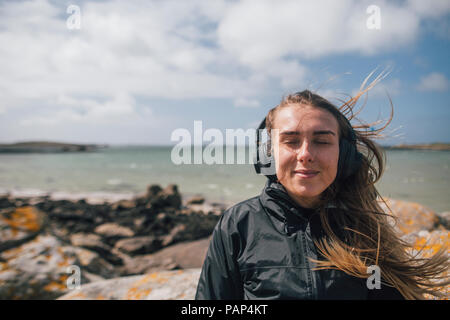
152, 191
5, 202
18, 225
93, 242
412, 217
428, 243
196, 200
158, 198
123, 205
37, 269
113, 231
139, 245
444, 219
184, 255
95, 265
163, 285
425, 245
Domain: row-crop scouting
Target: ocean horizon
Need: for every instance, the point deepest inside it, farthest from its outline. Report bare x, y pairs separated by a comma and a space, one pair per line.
124, 171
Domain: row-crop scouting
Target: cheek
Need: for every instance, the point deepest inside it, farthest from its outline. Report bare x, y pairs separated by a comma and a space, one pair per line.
284, 160
329, 161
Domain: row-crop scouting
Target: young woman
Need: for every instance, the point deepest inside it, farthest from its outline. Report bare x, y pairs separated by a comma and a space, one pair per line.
317, 230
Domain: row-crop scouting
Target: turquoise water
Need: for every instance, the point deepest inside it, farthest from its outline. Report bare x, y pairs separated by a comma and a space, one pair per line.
419, 176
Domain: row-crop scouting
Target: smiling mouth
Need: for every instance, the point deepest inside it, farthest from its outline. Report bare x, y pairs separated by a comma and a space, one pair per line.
306, 173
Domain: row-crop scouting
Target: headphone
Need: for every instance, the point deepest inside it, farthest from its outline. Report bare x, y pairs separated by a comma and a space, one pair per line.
350, 158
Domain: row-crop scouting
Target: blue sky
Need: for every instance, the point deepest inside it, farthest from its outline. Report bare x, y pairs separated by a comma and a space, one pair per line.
137, 70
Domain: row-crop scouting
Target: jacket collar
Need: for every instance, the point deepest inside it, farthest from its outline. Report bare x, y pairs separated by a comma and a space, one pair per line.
274, 197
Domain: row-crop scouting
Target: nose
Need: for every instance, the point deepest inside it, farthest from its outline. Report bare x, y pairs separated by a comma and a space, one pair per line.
304, 154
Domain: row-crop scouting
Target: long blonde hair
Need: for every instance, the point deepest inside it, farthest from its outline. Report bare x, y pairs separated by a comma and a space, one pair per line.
367, 236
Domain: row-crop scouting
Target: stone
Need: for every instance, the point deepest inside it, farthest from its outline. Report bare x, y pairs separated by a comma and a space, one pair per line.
168, 197
93, 242
93, 263
147, 263
5, 202
184, 255
37, 269
139, 245
426, 244
153, 190
444, 219
162, 285
412, 217
19, 225
174, 235
123, 205
114, 230
196, 200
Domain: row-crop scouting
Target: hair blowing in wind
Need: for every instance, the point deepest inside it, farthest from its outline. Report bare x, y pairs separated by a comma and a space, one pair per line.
366, 233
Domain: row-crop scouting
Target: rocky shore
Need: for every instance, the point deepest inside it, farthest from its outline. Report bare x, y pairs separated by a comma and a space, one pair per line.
41, 238
148, 247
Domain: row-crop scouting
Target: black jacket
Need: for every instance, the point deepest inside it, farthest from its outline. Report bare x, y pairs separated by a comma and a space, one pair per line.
259, 250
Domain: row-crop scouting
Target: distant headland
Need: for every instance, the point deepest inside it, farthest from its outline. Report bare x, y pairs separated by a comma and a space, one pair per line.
429, 146
48, 147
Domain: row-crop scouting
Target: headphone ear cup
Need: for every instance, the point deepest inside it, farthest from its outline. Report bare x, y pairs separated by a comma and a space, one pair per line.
267, 161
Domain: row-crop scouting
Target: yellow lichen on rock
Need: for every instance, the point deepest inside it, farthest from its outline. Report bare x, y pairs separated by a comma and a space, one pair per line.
55, 286
24, 218
137, 294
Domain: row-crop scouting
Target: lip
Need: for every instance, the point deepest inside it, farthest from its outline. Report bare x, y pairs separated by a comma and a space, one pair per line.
306, 173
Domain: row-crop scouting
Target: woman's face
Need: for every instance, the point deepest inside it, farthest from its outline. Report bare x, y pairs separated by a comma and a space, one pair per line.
306, 151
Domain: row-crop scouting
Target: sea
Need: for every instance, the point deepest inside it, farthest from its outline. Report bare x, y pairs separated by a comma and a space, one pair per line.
122, 172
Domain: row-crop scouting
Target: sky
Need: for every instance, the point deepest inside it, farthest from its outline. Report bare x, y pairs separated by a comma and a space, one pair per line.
133, 72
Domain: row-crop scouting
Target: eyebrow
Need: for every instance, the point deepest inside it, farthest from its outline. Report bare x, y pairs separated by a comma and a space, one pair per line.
315, 133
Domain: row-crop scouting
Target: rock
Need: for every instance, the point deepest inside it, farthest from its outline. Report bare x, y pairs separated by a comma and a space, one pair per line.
5, 202
153, 190
412, 217
163, 285
184, 255
196, 200
160, 199
147, 263
37, 269
93, 263
19, 225
114, 231
93, 242
139, 245
174, 236
444, 219
123, 205
428, 242
425, 245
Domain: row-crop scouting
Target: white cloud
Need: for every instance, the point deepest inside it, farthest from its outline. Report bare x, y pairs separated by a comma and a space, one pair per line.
178, 50
259, 32
434, 81
246, 103
434, 9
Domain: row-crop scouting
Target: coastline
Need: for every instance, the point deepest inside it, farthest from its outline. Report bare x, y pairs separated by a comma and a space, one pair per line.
428, 146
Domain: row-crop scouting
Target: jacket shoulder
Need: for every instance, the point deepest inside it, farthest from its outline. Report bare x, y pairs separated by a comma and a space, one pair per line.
240, 211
